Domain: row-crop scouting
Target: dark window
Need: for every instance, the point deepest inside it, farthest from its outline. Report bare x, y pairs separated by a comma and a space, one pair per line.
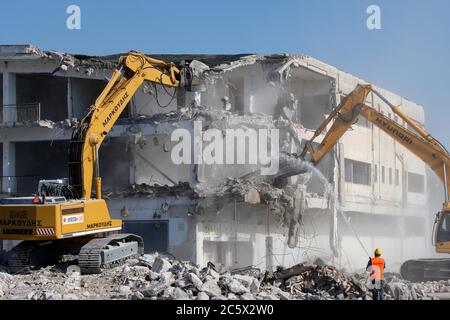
383, 177
357, 172
348, 171
416, 182
390, 176
236, 86
375, 174
397, 177
155, 234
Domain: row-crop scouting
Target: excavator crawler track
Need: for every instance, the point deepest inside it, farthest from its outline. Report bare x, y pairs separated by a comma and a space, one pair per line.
19, 257
94, 255
104, 253
426, 270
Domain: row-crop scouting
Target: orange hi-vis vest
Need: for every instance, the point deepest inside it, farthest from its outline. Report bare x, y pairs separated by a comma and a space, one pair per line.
377, 268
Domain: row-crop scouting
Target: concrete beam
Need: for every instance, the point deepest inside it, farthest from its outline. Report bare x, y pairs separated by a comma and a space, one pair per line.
9, 169
69, 99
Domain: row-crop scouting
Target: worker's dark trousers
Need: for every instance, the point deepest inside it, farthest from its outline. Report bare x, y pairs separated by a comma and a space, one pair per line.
378, 294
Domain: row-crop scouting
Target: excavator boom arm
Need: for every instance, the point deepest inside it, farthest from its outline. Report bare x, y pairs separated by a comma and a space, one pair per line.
422, 144
132, 71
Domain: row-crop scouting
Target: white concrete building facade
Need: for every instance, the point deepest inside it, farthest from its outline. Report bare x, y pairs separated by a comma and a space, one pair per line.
177, 208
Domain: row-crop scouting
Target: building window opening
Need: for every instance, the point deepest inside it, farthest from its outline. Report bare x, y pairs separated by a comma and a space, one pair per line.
357, 172
416, 183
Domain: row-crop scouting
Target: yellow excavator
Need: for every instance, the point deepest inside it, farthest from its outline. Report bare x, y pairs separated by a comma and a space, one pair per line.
418, 141
52, 227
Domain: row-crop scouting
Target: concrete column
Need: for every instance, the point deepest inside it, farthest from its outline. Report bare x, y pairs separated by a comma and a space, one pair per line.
133, 164
69, 99
9, 96
199, 231
9, 167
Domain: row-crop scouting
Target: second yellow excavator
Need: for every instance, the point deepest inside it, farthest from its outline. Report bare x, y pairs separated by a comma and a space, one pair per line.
52, 226
418, 141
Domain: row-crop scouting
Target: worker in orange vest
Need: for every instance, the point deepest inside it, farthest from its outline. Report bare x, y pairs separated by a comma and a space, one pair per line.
377, 266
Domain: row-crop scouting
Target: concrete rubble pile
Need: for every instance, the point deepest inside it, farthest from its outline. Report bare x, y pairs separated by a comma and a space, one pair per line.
158, 277
399, 289
320, 282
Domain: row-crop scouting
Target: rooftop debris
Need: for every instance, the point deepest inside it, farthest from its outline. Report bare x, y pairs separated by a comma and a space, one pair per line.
145, 190
64, 124
155, 276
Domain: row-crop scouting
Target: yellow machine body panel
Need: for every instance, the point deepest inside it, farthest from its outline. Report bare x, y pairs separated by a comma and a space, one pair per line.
442, 234
56, 221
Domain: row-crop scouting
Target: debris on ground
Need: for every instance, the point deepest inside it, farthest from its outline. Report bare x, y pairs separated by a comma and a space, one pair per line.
154, 277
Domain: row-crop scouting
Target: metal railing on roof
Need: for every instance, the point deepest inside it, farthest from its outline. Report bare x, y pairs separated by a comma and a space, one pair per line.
23, 112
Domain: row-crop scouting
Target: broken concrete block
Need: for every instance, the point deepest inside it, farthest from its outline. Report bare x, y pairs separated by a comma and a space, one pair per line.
137, 296
161, 265
167, 277
283, 295
247, 296
195, 271
202, 296
214, 274
252, 196
155, 288
181, 283
195, 280
254, 286
3, 257
211, 288
6, 277
231, 296
234, 286
70, 296
179, 294
148, 259
125, 290
73, 269
168, 292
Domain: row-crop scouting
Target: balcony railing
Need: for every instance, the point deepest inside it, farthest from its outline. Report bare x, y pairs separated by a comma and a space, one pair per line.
24, 112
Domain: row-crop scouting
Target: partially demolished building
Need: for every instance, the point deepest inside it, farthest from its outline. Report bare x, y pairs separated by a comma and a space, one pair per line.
225, 213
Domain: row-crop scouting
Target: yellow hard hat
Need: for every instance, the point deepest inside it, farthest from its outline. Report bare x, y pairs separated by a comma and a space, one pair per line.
378, 252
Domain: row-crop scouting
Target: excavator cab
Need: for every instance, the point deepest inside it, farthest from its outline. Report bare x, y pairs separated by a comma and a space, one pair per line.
443, 232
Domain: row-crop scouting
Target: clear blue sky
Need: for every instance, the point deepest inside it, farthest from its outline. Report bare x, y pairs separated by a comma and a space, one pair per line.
410, 55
